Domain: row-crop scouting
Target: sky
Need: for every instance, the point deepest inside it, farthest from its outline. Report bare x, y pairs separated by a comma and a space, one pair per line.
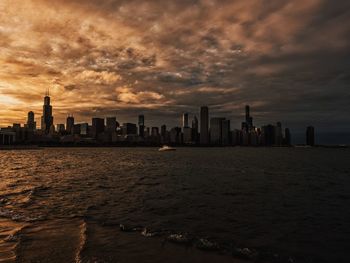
289, 60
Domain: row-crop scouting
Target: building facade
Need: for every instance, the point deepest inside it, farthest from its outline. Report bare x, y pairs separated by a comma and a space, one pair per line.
46, 118
204, 125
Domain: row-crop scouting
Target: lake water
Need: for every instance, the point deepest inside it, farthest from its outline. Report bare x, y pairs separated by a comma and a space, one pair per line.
283, 204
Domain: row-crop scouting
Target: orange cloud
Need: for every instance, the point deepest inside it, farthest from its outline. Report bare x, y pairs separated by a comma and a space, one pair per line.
168, 55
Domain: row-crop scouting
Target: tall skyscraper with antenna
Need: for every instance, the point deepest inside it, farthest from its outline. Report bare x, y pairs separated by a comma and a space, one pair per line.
46, 118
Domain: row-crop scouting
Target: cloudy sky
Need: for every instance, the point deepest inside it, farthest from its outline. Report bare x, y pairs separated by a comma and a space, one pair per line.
288, 59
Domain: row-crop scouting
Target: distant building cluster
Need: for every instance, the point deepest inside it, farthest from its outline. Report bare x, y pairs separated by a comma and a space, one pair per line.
214, 131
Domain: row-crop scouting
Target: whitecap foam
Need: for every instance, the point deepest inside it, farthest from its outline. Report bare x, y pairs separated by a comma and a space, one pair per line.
82, 241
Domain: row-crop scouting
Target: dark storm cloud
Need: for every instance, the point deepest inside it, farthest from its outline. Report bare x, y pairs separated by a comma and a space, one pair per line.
288, 59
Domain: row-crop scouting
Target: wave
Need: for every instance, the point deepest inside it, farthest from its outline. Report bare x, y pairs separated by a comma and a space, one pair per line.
208, 244
10, 237
18, 216
82, 242
27, 190
22, 197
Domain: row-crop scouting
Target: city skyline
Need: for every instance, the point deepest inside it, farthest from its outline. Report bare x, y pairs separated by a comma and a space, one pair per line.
46, 115
177, 56
214, 131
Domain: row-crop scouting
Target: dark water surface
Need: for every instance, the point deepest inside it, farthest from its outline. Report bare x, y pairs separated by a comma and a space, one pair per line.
66, 204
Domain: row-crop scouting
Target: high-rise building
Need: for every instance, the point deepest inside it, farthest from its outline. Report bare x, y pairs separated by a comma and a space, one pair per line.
268, 135
247, 113
175, 135
60, 128
259, 137
31, 124
253, 138
142, 120
70, 124
141, 126
52, 130
155, 137
287, 137
98, 126
77, 129
147, 132
129, 129
187, 135
46, 118
310, 136
216, 130
245, 138
236, 137
244, 127
195, 136
204, 125
84, 129
248, 119
155, 132
225, 132
164, 134
278, 134
163, 130
111, 124
185, 120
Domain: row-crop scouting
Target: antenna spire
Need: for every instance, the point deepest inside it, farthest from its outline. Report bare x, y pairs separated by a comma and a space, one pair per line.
47, 92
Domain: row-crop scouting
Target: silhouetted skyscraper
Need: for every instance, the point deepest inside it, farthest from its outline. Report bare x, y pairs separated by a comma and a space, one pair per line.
31, 124
244, 126
98, 126
142, 120
70, 124
287, 137
216, 130
247, 113
46, 118
60, 128
310, 136
268, 135
185, 120
204, 125
155, 131
111, 124
164, 134
225, 132
84, 129
248, 119
175, 135
129, 129
278, 134
236, 137
187, 135
77, 129
142, 126
195, 136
